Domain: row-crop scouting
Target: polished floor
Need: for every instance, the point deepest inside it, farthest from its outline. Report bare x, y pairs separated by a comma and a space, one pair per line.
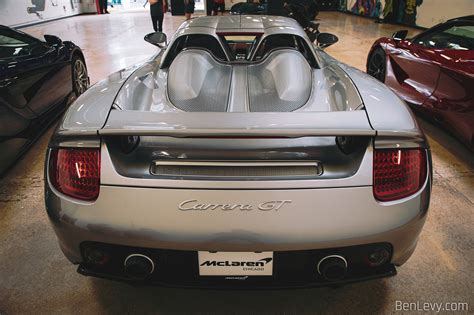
36, 278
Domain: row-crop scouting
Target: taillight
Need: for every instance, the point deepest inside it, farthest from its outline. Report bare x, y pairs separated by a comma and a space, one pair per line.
398, 173
76, 172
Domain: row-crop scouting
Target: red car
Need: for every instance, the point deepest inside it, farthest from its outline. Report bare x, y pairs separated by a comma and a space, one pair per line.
433, 72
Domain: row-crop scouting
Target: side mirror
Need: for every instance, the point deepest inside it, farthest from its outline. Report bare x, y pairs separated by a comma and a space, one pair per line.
53, 40
326, 39
400, 35
158, 39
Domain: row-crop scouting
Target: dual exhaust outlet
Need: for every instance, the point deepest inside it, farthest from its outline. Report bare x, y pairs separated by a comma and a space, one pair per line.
138, 266
331, 268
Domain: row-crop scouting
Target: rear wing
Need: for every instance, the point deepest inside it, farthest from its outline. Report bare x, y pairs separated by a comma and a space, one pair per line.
209, 124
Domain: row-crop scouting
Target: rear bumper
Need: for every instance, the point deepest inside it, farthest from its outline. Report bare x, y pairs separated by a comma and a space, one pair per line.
315, 219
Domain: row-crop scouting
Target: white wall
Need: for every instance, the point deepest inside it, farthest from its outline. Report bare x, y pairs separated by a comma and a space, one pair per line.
24, 12
432, 12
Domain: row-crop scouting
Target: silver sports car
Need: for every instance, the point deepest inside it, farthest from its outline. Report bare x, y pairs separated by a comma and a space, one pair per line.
241, 155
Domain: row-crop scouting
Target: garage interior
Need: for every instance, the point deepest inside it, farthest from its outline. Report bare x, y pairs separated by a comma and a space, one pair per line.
35, 277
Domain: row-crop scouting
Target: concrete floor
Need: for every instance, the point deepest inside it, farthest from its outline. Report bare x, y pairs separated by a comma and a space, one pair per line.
36, 278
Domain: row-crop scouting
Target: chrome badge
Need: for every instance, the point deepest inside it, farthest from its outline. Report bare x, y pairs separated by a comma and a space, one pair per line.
193, 204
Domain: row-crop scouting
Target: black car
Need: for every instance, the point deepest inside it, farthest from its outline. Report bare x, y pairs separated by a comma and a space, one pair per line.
37, 81
303, 11
249, 7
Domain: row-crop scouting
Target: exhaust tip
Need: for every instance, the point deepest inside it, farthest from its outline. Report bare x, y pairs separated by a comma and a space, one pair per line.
333, 267
139, 266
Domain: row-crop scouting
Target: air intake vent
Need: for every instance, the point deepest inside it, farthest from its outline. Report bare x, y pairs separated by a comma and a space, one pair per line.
238, 169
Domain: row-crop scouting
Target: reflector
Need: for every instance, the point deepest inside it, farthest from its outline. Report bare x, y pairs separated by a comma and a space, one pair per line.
398, 173
76, 172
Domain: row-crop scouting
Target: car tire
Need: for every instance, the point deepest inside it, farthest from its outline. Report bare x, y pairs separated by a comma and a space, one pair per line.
80, 76
377, 64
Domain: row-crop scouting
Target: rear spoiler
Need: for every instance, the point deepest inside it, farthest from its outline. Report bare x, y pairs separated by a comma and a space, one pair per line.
296, 124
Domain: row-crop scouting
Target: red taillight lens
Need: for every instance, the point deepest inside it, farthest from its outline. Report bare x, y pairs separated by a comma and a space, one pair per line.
76, 172
398, 173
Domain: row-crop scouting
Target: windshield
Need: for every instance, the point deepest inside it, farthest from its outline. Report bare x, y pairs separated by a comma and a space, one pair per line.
14, 44
457, 37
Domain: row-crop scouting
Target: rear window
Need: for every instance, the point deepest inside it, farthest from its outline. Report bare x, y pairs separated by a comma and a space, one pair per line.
240, 45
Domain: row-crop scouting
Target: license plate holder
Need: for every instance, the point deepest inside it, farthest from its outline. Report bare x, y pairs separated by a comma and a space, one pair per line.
235, 263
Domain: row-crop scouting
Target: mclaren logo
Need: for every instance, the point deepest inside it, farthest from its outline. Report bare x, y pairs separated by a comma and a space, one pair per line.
193, 204
227, 263
237, 278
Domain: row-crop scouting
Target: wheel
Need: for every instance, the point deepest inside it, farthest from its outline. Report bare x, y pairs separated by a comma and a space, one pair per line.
80, 77
377, 64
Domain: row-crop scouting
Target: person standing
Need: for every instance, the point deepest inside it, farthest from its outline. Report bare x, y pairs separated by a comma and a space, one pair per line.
209, 7
219, 6
188, 8
103, 6
409, 17
157, 14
